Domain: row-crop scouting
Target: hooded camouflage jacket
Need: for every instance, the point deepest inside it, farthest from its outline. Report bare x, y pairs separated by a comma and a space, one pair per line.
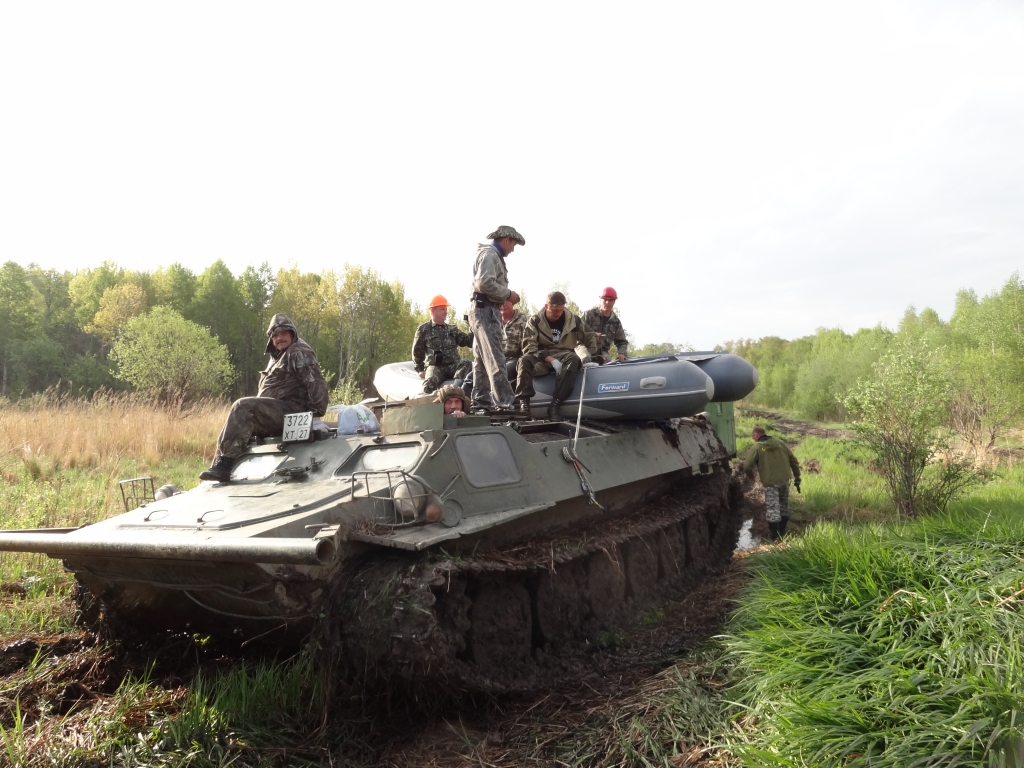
611, 329
538, 339
444, 338
293, 376
490, 275
775, 463
514, 330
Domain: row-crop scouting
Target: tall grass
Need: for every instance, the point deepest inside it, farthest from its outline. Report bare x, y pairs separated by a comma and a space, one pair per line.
53, 431
888, 645
61, 459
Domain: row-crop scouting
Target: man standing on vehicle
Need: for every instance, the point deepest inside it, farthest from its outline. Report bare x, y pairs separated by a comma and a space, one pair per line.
291, 383
776, 466
435, 348
491, 389
607, 327
549, 344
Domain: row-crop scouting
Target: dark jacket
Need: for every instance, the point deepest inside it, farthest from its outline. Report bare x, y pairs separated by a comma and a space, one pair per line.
293, 376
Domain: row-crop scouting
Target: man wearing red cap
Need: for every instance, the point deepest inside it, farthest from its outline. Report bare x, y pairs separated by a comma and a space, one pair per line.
607, 327
435, 348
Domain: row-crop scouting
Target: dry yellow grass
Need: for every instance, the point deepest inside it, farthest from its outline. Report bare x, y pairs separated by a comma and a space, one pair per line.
97, 434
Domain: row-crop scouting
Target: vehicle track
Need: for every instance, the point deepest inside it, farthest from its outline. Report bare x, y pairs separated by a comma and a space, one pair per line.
521, 618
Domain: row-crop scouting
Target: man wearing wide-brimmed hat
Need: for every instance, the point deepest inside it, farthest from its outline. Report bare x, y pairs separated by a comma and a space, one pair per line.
491, 388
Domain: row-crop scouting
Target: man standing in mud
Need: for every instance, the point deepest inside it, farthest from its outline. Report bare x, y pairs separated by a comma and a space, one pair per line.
491, 389
291, 383
776, 466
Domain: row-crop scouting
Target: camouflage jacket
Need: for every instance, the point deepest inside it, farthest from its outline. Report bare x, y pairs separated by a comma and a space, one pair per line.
490, 275
445, 339
294, 377
775, 463
514, 330
538, 339
610, 328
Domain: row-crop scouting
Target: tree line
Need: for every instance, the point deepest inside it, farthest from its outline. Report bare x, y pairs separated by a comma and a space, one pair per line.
116, 328
975, 362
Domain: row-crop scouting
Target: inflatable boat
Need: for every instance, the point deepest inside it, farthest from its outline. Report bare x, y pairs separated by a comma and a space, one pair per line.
652, 387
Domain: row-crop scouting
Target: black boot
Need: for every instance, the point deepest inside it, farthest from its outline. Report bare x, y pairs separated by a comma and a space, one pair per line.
782, 526
774, 529
523, 406
553, 414
220, 471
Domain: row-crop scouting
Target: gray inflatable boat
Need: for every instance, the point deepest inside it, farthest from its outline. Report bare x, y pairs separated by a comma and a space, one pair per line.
653, 387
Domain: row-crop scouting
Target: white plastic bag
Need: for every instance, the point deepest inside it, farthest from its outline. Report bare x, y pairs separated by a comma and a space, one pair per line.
355, 420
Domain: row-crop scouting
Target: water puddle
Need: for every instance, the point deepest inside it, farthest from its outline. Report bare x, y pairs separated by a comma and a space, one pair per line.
746, 539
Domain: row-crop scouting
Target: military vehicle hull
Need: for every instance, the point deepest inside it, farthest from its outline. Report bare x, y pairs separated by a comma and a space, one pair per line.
442, 547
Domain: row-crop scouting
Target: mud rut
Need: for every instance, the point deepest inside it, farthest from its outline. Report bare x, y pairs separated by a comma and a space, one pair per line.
526, 617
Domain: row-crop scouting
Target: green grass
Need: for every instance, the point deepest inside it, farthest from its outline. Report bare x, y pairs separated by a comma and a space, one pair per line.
887, 644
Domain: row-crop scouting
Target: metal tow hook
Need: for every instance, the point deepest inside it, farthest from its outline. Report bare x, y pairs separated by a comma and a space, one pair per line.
570, 455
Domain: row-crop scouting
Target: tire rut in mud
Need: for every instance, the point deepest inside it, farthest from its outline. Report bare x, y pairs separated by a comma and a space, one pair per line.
525, 617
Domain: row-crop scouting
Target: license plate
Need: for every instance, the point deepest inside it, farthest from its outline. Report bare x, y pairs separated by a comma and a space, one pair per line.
297, 426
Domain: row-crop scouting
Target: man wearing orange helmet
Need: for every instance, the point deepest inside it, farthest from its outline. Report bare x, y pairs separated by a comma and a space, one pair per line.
607, 327
435, 348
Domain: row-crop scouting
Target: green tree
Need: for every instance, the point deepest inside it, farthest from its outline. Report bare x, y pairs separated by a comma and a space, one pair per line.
118, 305
19, 318
86, 289
217, 305
256, 288
986, 363
174, 287
901, 411
171, 358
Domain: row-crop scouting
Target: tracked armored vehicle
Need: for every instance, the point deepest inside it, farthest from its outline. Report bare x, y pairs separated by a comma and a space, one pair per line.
441, 547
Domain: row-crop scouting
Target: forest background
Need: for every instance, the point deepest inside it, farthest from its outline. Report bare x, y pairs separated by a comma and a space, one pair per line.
109, 328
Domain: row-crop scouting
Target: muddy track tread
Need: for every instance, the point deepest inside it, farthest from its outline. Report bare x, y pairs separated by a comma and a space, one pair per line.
414, 618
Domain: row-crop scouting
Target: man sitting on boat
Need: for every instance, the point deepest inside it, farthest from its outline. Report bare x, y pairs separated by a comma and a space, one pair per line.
435, 348
607, 327
549, 343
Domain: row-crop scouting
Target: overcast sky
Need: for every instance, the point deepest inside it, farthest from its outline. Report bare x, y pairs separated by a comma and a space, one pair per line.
732, 169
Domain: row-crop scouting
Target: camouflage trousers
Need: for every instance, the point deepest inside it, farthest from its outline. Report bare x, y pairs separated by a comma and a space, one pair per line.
436, 375
533, 365
260, 416
776, 502
489, 380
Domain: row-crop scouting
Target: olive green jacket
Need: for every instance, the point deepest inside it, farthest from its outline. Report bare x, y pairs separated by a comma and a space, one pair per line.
775, 463
537, 338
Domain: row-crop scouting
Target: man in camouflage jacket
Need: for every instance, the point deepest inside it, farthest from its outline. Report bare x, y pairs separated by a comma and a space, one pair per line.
549, 343
435, 348
607, 327
490, 290
513, 327
776, 466
291, 383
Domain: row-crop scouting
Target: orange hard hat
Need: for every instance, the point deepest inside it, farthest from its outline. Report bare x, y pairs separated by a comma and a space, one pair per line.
438, 301
609, 293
